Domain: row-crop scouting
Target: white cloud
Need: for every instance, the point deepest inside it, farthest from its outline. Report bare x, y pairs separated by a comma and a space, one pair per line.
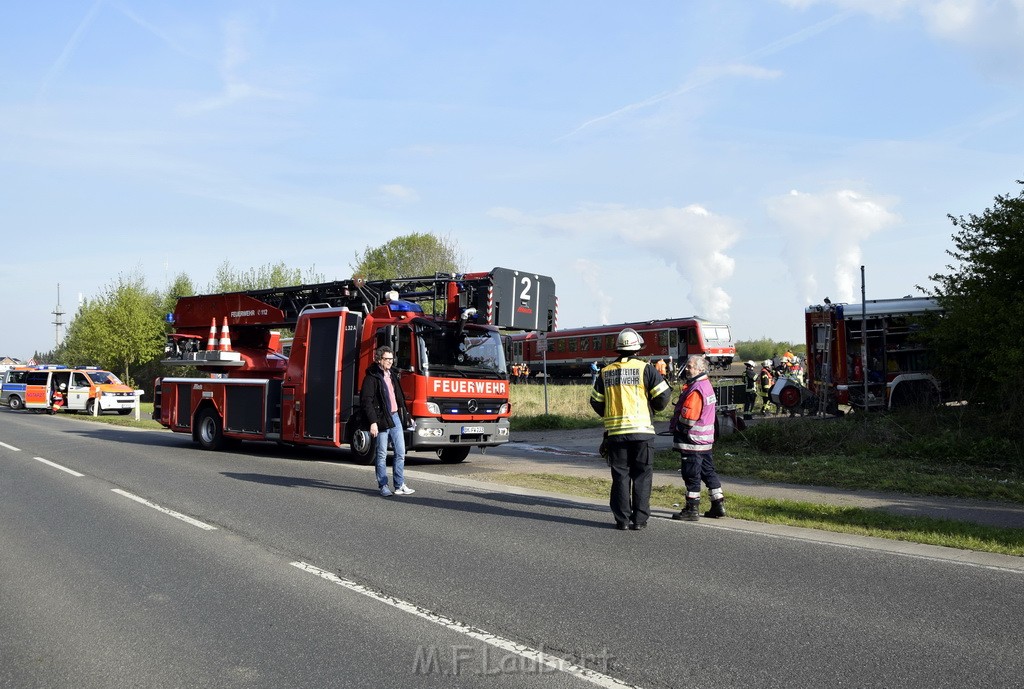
990, 30
692, 240
590, 274
823, 236
397, 192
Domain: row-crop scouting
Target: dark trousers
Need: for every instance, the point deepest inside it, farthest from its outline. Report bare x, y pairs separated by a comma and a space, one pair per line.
749, 400
697, 467
632, 474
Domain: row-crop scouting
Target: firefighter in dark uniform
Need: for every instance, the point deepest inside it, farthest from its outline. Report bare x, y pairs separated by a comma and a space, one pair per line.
626, 394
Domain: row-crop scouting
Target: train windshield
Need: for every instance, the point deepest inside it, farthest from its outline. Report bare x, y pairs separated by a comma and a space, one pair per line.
471, 352
716, 333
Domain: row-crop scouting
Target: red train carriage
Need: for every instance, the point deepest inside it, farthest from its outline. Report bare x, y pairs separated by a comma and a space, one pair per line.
569, 353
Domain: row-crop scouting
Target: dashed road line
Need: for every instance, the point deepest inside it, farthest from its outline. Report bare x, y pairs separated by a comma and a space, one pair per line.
58, 466
12, 448
533, 655
172, 513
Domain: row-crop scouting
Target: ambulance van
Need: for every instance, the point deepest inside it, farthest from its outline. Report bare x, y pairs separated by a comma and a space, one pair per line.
83, 388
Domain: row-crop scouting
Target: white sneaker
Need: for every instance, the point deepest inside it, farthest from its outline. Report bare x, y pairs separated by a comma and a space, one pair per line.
404, 490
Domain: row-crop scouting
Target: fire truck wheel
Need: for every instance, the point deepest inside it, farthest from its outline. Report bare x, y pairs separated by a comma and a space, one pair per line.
15, 402
363, 446
208, 430
453, 455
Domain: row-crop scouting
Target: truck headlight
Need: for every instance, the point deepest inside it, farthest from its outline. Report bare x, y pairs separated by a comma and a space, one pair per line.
432, 408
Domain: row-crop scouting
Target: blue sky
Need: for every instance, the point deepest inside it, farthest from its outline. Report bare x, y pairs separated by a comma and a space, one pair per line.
732, 159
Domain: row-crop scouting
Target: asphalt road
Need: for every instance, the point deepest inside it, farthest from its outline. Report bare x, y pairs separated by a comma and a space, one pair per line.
309, 578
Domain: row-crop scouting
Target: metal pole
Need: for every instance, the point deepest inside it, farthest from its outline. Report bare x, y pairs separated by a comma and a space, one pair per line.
544, 363
864, 336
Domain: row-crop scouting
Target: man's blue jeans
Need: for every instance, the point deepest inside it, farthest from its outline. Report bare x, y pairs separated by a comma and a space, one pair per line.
397, 435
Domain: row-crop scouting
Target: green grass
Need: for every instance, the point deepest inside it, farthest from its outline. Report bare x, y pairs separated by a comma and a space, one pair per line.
145, 418
849, 520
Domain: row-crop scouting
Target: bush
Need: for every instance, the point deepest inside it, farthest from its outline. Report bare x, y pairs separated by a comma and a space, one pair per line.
946, 436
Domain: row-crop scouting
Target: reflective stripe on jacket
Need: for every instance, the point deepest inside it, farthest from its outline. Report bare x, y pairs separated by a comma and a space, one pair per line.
693, 421
624, 394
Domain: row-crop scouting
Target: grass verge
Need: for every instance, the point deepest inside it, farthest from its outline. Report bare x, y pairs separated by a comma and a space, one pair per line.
849, 520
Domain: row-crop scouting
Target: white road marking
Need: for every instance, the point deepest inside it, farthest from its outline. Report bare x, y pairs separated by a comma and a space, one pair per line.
58, 466
539, 657
10, 447
176, 515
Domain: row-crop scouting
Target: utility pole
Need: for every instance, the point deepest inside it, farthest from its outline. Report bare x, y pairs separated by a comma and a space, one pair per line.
58, 320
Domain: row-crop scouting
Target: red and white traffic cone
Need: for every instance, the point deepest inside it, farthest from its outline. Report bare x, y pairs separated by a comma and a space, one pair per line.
225, 337
211, 342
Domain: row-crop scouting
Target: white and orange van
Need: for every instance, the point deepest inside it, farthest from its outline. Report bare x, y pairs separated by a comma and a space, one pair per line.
83, 387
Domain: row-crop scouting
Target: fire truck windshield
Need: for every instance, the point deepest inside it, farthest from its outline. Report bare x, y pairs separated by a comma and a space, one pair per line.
469, 351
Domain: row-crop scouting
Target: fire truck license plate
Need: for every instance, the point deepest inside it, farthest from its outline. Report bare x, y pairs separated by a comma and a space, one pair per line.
472, 430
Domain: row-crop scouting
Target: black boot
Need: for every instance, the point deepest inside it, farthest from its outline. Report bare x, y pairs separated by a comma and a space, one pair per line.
691, 512
717, 509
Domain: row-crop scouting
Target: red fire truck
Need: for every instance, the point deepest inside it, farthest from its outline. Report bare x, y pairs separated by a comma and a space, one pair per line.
867, 355
443, 329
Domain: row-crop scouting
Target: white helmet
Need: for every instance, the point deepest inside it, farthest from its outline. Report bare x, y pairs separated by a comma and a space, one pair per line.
767, 362
750, 364
628, 340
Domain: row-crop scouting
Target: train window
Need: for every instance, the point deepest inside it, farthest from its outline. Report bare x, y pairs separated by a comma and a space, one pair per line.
673, 338
717, 333
597, 343
560, 344
584, 344
691, 336
572, 344
609, 342
662, 338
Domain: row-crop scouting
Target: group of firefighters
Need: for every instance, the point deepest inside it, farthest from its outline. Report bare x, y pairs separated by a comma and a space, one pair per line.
519, 373
758, 383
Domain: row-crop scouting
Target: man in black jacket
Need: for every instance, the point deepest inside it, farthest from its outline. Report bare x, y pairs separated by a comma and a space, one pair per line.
384, 406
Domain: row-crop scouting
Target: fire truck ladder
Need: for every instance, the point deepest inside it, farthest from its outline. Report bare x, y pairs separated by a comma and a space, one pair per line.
358, 295
824, 390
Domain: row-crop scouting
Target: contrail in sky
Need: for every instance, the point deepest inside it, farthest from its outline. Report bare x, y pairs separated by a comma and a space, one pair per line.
712, 75
69, 48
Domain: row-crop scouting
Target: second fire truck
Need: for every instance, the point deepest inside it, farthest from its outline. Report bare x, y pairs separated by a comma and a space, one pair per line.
444, 330
868, 356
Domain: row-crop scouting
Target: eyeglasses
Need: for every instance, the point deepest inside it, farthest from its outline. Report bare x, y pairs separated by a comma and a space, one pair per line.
387, 358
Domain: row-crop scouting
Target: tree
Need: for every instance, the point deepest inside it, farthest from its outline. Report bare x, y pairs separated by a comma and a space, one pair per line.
135, 327
269, 275
410, 255
977, 342
118, 330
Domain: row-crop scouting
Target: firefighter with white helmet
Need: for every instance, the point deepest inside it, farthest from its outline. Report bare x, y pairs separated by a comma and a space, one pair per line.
765, 380
626, 394
749, 387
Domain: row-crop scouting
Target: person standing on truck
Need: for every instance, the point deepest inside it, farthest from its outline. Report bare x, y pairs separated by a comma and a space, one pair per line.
693, 436
626, 394
383, 404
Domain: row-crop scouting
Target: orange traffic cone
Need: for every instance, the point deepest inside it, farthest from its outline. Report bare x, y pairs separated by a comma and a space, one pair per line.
211, 342
225, 337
